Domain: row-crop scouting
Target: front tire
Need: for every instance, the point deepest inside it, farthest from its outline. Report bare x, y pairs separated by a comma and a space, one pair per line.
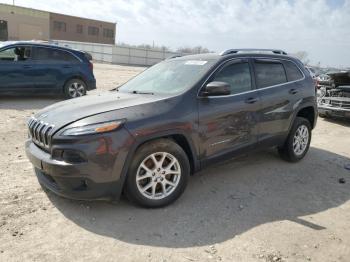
74, 88
158, 174
298, 141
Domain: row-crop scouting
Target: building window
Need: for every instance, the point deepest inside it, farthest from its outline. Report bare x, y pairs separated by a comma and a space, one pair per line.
108, 33
92, 30
3, 30
59, 26
79, 29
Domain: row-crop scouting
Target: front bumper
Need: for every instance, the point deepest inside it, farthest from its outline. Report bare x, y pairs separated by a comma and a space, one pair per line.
333, 111
99, 177
76, 188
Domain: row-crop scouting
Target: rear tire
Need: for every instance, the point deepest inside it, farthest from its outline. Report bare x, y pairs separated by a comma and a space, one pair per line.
158, 174
298, 141
74, 88
322, 115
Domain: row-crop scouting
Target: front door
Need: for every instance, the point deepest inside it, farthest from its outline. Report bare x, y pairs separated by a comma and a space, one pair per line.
228, 123
17, 72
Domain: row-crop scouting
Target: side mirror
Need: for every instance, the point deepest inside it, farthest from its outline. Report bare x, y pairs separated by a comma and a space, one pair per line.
217, 89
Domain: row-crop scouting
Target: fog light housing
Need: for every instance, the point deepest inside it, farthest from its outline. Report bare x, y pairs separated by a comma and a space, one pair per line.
73, 156
69, 156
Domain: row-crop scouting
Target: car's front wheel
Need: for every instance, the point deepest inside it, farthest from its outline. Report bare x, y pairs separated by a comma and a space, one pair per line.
74, 88
158, 174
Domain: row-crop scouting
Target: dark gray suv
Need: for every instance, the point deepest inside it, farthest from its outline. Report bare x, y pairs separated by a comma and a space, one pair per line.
148, 136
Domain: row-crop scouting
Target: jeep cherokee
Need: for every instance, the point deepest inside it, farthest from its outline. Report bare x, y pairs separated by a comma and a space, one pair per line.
146, 137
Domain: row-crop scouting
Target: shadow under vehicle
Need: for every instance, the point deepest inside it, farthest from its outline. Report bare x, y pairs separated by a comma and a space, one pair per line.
225, 201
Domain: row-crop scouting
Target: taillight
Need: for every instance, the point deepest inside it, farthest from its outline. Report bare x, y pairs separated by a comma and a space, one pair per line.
317, 84
91, 66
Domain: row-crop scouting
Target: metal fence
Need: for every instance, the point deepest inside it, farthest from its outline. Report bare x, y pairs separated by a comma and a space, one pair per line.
117, 54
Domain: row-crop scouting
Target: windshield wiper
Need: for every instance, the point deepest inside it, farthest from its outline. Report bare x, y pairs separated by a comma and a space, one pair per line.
142, 93
115, 88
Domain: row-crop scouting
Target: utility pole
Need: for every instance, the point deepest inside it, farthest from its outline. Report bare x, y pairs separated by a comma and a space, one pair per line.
13, 2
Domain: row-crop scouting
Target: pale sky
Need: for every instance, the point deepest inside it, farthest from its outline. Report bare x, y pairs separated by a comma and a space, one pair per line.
319, 27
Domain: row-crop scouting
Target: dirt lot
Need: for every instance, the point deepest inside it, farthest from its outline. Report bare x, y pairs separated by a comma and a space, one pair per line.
253, 208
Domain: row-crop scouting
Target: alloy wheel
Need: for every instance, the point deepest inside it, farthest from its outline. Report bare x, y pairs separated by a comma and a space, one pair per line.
76, 90
300, 140
158, 175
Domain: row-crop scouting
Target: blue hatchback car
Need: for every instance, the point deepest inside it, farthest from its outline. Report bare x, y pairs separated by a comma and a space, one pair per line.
31, 67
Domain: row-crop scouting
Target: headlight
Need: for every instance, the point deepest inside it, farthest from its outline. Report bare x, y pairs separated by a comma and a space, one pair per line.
92, 129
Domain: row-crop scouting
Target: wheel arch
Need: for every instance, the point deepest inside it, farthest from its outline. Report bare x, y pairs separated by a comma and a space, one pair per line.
307, 112
178, 137
71, 78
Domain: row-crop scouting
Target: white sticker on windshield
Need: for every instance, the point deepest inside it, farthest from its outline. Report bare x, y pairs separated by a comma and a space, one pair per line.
195, 62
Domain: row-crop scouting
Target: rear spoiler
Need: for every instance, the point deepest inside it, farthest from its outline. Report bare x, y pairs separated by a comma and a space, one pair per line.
87, 55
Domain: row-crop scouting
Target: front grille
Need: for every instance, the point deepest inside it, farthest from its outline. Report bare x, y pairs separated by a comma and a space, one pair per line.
341, 104
40, 132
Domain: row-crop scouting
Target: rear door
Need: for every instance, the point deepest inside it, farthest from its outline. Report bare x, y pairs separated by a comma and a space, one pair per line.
280, 94
54, 67
16, 69
228, 123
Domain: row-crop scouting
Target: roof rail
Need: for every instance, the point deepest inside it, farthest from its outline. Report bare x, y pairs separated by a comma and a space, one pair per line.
235, 51
174, 56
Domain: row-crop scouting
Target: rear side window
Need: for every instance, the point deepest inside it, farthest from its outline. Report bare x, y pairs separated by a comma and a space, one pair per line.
237, 75
293, 72
62, 56
269, 74
53, 54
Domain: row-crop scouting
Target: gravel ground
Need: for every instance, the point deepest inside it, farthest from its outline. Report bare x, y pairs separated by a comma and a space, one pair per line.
252, 208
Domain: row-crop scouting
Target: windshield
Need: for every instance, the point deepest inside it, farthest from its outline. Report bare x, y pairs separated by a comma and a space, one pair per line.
168, 77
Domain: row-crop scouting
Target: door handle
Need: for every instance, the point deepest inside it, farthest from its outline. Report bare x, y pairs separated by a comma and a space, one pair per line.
67, 66
293, 91
251, 100
27, 66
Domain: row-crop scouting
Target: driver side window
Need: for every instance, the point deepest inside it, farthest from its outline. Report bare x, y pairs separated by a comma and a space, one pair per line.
237, 75
8, 55
14, 54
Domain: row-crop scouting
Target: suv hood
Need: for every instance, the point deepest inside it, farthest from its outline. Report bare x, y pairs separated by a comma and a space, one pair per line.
63, 113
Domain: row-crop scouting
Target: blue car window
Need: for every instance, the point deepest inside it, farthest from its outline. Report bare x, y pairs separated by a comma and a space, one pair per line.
42, 53
18, 53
